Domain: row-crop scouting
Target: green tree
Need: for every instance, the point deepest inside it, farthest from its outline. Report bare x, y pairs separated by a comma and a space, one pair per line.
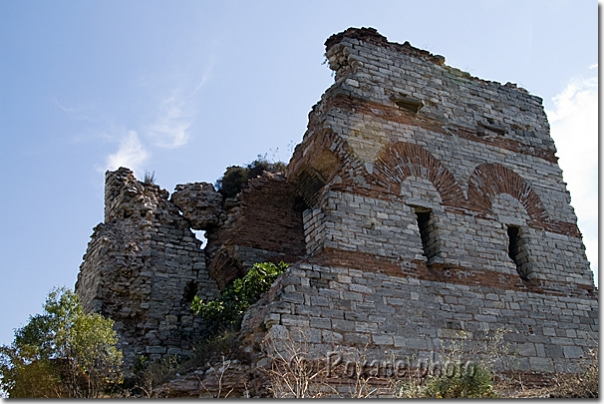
61, 353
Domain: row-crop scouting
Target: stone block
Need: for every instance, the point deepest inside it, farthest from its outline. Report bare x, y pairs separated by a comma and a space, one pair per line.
155, 350
294, 321
331, 337
381, 339
356, 339
365, 327
542, 365
318, 322
573, 352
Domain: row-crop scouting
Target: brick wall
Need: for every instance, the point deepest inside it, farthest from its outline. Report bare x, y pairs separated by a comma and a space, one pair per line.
263, 223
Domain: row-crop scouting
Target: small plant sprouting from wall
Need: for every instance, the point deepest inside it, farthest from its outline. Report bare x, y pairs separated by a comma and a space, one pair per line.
149, 178
227, 311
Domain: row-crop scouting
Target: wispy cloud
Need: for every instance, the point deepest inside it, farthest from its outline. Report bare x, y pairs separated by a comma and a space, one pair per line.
205, 77
171, 127
574, 127
131, 154
79, 113
167, 127
175, 116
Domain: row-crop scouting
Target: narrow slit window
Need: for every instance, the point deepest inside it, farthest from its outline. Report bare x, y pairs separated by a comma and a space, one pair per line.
518, 252
427, 231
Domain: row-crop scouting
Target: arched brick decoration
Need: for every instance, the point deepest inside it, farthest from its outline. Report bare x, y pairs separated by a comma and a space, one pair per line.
402, 160
330, 156
489, 180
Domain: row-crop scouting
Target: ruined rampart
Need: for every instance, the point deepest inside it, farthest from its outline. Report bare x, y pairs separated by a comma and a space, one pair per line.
422, 204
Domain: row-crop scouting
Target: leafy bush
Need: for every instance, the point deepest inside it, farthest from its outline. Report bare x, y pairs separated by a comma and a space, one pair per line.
232, 181
228, 309
61, 353
236, 177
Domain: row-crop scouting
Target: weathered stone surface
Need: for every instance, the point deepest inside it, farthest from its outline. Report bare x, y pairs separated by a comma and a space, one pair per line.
142, 268
200, 204
228, 379
263, 223
423, 205
475, 159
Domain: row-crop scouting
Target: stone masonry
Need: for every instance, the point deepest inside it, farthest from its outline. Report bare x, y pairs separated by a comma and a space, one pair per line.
422, 203
144, 264
142, 268
436, 207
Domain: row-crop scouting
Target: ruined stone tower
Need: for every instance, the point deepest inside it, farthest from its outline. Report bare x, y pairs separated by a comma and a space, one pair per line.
422, 203
436, 206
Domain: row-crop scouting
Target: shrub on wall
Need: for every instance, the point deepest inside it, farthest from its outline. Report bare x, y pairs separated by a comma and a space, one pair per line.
235, 178
229, 308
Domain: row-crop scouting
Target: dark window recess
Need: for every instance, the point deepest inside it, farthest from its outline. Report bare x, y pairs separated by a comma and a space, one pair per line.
427, 231
189, 293
518, 252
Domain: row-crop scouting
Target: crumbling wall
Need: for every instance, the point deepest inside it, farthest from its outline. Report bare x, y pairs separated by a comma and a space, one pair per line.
142, 268
436, 207
422, 204
144, 265
262, 223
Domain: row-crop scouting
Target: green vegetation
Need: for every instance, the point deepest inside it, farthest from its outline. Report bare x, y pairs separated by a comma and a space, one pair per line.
229, 308
224, 316
62, 353
235, 178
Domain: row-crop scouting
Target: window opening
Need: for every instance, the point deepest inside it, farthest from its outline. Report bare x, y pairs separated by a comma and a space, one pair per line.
517, 251
427, 231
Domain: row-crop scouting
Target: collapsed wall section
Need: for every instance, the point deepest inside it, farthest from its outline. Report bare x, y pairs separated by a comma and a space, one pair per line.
144, 265
263, 223
142, 268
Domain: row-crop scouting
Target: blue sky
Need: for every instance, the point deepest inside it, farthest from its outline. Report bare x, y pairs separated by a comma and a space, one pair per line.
186, 88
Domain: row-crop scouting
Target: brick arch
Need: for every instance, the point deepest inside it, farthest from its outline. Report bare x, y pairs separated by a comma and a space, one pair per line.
402, 160
489, 180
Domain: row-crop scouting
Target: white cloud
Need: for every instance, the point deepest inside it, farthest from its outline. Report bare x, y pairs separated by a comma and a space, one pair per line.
171, 127
176, 115
80, 113
574, 127
131, 153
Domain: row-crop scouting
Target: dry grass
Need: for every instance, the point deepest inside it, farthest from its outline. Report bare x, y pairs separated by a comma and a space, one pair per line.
293, 375
291, 371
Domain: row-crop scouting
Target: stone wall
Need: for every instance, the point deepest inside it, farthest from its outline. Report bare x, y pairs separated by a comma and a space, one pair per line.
142, 268
436, 207
423, 204
144, 264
